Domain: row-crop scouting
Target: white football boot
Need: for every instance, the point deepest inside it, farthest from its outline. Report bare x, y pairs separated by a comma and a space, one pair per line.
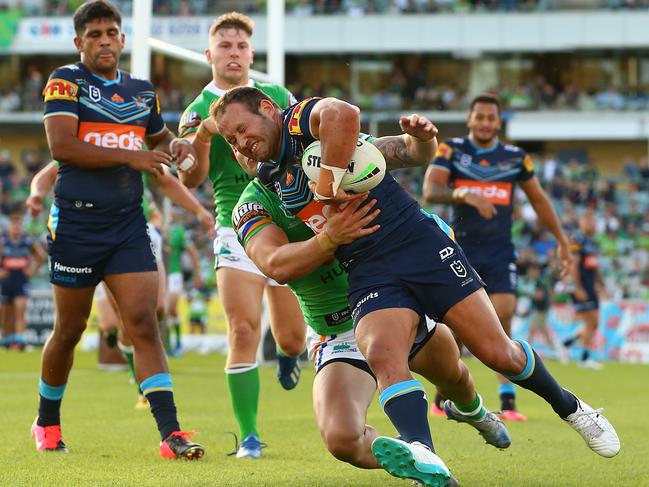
595, 429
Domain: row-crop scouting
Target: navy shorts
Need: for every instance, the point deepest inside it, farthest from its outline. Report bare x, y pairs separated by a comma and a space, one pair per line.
495, 262
591, 303
422, 269
13, 287
83, 252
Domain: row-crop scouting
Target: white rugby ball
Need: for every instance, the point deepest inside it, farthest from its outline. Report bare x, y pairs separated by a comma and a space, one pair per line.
365, 170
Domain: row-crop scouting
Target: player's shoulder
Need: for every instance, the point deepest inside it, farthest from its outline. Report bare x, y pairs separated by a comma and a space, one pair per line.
138, 84
512, 149
271, 88
69, 72
196, 111
456, 142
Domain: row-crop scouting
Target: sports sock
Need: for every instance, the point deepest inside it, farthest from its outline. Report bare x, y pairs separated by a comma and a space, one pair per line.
474, 410
585, 354
243, 386
536, 378
127, 353
49, 404
439, 400
570, 341
159, 392
406, 405
176, 328
507, 393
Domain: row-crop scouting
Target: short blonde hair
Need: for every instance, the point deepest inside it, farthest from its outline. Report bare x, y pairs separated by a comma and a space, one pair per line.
233, 20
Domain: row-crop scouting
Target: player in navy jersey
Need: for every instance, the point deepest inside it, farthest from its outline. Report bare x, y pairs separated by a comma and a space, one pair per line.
405, 265
97, 120
479, 174
588, 283
20, 259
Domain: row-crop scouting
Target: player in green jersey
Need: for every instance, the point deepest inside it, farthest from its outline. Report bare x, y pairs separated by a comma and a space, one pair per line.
107, 309
344, 385
178, 243
240, 284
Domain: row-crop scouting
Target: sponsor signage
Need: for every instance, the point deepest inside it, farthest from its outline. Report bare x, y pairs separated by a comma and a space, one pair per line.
55, 35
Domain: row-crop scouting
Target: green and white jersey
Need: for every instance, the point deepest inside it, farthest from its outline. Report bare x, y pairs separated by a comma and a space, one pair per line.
228, 179
323, 293
177, 243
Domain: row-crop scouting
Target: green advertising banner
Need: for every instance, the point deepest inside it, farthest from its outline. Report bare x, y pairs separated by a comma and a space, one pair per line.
8, 24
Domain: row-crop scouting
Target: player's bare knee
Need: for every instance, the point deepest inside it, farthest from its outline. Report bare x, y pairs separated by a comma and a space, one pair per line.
343, 444
243, 334
68, 334
291, 344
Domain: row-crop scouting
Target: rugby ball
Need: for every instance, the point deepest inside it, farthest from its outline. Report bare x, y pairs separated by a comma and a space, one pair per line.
365, 170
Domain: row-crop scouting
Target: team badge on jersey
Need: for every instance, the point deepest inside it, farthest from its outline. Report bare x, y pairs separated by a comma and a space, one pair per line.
458, 268
60, 89
94, 93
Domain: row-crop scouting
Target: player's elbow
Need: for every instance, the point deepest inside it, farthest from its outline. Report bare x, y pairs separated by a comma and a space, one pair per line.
344, 115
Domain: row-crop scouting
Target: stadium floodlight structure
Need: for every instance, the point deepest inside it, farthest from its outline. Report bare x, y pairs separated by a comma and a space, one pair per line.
144, 44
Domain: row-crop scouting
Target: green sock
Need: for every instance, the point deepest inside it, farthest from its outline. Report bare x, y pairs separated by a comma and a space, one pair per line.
243, 385
177, 332
473, 410
127, 353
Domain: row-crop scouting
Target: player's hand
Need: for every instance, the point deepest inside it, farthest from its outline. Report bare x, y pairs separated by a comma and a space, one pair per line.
34, 204
564, 257
208, 127
419, 127
486, 209
581, 294
206, 220
183, 152
339, 199
150, 161
198, 282
351, 222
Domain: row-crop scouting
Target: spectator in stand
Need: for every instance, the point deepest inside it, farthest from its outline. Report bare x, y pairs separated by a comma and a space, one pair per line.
32, 90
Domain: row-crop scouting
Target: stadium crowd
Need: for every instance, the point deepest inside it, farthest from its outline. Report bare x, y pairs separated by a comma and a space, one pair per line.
329, 7
398, 91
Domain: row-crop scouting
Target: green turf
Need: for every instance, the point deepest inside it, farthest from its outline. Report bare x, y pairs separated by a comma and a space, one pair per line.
113, 444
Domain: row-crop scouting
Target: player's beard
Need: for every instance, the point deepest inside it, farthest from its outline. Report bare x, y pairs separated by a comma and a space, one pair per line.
104, 66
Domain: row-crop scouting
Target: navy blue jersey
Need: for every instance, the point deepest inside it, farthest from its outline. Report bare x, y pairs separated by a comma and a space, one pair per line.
117, 113
16, 255
290, 183
491, 173
586, 251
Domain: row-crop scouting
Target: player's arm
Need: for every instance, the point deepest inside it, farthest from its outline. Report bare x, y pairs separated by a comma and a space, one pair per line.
286, 261
548, 217
337, 124
199, 133
39, 255
580, 292
416, 147
196, 264
40, 187
181, 196
61, 132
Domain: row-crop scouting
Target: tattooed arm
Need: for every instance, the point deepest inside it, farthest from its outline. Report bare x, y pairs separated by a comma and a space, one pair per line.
416, 147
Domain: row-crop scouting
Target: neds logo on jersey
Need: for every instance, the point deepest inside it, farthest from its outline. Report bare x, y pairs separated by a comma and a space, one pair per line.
112, 135
497, 193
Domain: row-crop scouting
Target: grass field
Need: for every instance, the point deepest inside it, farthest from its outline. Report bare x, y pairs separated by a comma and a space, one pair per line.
113, 444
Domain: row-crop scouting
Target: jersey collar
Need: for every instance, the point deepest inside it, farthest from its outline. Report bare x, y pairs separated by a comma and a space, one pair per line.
484, 150
215, 90
104, 81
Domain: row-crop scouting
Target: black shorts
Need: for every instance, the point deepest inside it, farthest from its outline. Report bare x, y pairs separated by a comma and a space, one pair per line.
423, 269
12, 288
82, 252
496, 263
